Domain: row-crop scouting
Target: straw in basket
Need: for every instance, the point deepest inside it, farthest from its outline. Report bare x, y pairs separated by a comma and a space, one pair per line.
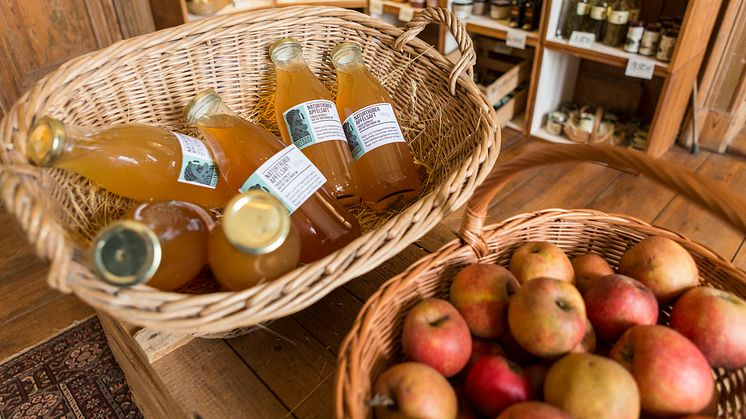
373, 343
451, 129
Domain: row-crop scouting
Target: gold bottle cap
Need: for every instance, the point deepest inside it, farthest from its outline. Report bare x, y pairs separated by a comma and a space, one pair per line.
345, 53
126, 253
256, 222
275, 48
46, 141
200, 105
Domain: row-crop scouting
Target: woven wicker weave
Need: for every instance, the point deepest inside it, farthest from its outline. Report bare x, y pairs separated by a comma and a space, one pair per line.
373, 343
451, 129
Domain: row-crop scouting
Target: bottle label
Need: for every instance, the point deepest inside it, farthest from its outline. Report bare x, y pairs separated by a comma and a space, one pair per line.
289, 176
582, 9
598, 13
618, 17
313, 122
197, 166
372, 127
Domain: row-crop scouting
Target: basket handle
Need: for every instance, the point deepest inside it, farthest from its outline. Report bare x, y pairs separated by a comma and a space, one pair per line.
706, 193
457, 29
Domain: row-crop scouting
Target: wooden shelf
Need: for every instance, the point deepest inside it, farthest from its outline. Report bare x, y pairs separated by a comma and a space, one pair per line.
487, 26
543, 134
603, 54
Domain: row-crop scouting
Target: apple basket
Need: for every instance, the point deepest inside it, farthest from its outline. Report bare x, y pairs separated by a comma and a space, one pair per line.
373, 343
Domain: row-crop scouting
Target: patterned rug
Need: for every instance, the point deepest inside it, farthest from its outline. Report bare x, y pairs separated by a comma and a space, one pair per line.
72, 375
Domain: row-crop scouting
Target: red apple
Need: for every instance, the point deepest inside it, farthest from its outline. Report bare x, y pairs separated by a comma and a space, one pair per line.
536, 374
592, 387
481, 293
435, 334
547, 317
672, 374
494, 383
588, 344
589, 267
533, 410
413, 390
715, 321
480, 348
615, 303
662, 265
540, 260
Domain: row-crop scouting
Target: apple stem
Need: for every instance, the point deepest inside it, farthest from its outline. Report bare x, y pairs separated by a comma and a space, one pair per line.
381, 400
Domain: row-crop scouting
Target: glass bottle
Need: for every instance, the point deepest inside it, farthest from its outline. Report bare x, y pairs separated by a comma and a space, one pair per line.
617, 22
634, 11
259, 160
383, 163
255, 242
308, 118
517, 10
596, 22
530, 15
577, 16
650, 39
163, 244
567, 5
634, 36
137, 161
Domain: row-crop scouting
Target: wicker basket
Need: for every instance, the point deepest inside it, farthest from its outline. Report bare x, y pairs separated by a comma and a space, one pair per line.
373, 343
451, 128
573, 129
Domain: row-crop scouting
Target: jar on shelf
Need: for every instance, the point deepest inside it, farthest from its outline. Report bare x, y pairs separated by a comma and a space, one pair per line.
650, 39
667, 44
432, 3
462, 8
586, 121
555, 122
500, 9
480, 7
417, 4
609, 122
634, 37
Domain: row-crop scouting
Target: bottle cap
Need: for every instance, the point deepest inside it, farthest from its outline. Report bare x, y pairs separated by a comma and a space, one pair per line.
46, 142
345, 53
256, 222
200, 105
126, 253
276, 48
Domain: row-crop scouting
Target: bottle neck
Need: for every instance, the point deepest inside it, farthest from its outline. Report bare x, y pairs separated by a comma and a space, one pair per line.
206, 105
52, 142
349, 59
289, 57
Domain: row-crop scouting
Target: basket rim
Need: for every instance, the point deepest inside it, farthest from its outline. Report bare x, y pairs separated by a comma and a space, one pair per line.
207, 313
383, 299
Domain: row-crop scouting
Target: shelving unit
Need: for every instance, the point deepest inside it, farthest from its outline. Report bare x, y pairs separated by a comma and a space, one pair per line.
556, 65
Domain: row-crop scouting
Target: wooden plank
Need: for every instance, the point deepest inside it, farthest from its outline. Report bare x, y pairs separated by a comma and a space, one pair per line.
156, 344
698, 22
209, 380
330, 319
290, 361
740, 259
168, 13
148, 390
103, 20
364, 286
134, 16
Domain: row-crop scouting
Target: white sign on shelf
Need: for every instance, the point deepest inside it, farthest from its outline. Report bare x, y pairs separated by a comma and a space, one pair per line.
516, 39
640, 67
582, 39
376, 7
406, 13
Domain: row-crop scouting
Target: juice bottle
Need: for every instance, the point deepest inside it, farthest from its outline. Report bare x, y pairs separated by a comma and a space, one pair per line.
137, 161
255, 242
262, 161
385, 171
308, 118
162, 243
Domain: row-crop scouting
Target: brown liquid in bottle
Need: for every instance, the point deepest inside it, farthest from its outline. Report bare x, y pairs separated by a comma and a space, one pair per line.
161, 243
323, 225
137, 161
298, 88
386, 174
256, 242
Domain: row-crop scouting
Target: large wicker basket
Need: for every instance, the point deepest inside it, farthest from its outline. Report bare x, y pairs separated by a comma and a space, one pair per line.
373, 343
452, 130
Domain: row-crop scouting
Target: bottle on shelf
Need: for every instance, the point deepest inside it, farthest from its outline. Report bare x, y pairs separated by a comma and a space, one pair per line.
596, 22
308, 118
137, 161
667, 44
386, 173
254, 242
634, 37
463, 9
162, 243
500, 9
259, 160
517, 11
634, 11
532, 15
577, 16
617, 22
650, 39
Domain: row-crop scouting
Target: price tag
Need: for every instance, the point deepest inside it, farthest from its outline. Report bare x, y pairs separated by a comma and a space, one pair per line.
582, 39
640, 67
516, 39
406, 13
376, 7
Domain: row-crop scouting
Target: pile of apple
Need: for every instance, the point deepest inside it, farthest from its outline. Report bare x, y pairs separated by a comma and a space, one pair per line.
551, 338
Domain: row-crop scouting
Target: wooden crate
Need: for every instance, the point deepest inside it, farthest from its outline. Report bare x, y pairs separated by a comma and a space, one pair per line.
515, 106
